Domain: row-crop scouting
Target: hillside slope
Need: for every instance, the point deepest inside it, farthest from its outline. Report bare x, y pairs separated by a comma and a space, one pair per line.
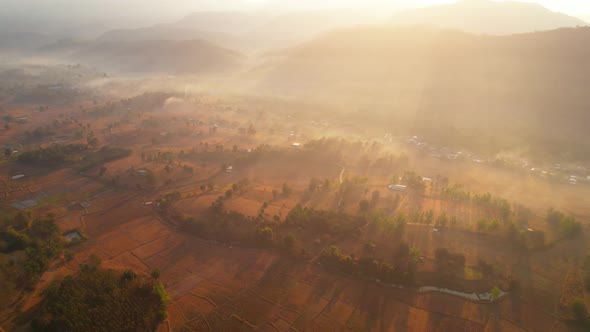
154, 56
489, 17
441, 81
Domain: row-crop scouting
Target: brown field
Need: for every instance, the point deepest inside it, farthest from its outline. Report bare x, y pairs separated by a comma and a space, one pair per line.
217, 286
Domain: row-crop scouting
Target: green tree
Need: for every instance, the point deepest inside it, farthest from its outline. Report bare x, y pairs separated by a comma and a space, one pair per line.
414, 255
155, 274
94, 262
364, 206
289, 241
579, 309
128, 275
375, 196
266, 234
495, 293
21, 220
286, 189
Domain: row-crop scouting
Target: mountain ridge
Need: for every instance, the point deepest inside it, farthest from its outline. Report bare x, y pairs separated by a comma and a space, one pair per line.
488, 17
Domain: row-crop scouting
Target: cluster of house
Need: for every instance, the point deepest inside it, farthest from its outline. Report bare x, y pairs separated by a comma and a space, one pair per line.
573, 175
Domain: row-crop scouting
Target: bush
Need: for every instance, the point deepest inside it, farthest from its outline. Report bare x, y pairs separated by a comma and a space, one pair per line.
155, 274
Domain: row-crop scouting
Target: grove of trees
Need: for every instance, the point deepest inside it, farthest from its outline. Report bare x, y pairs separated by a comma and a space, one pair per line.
97, 299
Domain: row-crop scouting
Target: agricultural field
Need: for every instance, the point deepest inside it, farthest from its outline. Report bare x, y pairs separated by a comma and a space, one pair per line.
253, 219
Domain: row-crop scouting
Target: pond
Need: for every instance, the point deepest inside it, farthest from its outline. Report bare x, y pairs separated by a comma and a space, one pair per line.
73, 236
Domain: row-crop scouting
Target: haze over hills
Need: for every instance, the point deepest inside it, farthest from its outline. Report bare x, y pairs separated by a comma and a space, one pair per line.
533, 83
160, 57
246, 31
161, 32
489, 17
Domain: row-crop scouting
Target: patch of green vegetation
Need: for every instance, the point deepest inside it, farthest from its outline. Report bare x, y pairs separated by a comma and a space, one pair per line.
104, 155
564, 226
402, 271
52, 155
33, 243
472, 274
97, 299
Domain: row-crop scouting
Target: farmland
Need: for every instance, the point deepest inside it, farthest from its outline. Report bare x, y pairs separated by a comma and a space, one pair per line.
249, 231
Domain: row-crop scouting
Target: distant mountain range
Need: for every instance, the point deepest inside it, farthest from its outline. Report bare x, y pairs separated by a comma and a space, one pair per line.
245, 31
209, 36
170, 57
489, 17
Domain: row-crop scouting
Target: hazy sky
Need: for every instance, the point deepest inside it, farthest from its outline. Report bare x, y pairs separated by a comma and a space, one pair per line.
177, 8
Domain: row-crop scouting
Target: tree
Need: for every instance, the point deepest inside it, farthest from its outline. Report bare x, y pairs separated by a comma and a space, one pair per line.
92, 140
286, 189
229, 193
441, 221
251, 131
364, 206
402, 251
210, 185
579, 309
266, 234
375, 196
93, 262
554, 216
370, 247
495, 293
102, 171
155, 274
289, 241
203, 187
414, 255
128, 275
537, 238
21, 221
314, 184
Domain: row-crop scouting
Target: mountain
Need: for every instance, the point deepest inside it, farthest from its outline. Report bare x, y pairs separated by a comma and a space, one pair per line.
246, 31
447, 81
289, 29
159, 57
489, 17
160, 32
228, 22
17, 42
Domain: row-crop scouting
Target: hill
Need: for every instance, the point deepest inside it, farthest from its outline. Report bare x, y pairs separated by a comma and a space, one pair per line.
489, 17
529, 87
158, 32
228, 22
156, 56
246, 31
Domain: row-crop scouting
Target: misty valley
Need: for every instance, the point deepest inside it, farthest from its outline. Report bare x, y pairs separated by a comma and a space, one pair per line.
424, 169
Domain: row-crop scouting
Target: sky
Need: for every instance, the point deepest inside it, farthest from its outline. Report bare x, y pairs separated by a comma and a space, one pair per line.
178, 8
